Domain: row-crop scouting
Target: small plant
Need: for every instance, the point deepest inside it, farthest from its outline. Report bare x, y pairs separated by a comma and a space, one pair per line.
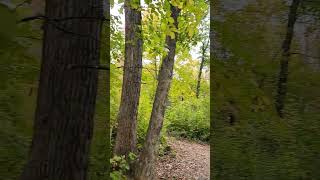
120, 165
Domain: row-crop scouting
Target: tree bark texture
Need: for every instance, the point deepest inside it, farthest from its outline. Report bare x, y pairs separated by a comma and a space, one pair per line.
64, 114
144, 169
127, 117
284, 62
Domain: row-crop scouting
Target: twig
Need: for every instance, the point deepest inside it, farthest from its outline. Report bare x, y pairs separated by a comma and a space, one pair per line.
74, 66
32, 18
52, 22
29, 37
21, 4
62, 19
297, 53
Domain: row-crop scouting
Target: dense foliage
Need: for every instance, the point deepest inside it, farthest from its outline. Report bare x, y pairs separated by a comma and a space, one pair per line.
156, 16
20, 54
189, 119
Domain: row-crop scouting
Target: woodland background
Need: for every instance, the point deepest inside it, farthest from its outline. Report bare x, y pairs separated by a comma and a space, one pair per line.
187, 115
249, 139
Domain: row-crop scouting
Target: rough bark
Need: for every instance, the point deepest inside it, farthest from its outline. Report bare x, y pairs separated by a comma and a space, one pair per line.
127, 117
213, 43
203, 51
107, 148
284, 62
144, 169
66, 97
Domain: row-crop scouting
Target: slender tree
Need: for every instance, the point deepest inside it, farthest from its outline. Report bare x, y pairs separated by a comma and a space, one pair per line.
284, 62
144, 169
127, 117
63, 123
204, 48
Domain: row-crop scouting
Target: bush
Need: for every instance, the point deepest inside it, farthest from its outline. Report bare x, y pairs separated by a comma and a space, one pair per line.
189, 119
120, 166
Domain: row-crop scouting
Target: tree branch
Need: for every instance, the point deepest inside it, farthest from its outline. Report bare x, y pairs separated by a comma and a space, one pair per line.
32, 18
62, 19
29, 37
75, 66
297, 53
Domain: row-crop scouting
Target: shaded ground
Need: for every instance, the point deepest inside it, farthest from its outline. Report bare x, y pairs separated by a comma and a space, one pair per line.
187, 161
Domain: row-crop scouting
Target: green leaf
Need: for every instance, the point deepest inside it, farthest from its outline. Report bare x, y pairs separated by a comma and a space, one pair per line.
190, 32
163, 26
172, 35
171, 20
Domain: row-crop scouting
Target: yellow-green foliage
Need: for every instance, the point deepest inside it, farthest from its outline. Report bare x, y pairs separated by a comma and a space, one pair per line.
189, 119
156, 24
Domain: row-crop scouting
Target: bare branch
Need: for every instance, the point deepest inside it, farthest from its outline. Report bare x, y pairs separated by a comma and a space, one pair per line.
32, 18
75, 66
306, 55
21, 4
29, 37
62, 19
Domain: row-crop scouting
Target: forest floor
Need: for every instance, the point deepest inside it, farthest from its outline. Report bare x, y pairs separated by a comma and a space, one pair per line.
187, 160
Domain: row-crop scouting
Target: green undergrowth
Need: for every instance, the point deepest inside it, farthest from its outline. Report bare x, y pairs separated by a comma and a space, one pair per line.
189, 119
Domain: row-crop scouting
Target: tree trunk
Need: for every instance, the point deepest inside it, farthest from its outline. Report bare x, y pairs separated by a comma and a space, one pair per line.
155, 80
284, 63
127, 117
106, 53
204, 48
144, 169
66, 97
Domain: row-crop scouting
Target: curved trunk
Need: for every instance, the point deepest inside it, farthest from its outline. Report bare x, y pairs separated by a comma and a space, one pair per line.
144, 169
66, 97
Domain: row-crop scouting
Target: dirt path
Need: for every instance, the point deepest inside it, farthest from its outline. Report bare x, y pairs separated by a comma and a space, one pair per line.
187, 161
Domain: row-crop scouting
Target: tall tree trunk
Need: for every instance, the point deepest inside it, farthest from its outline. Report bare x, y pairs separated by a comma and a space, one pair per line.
107, 149
66, 97
212, 56
144, 169
203, 51
127, 117
284, 63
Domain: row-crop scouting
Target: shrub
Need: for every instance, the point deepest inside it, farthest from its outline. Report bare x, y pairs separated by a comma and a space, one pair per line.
189, 119
120, 166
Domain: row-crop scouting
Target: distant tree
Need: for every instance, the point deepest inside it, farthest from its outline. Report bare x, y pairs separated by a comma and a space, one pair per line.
284, 62
204, 48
